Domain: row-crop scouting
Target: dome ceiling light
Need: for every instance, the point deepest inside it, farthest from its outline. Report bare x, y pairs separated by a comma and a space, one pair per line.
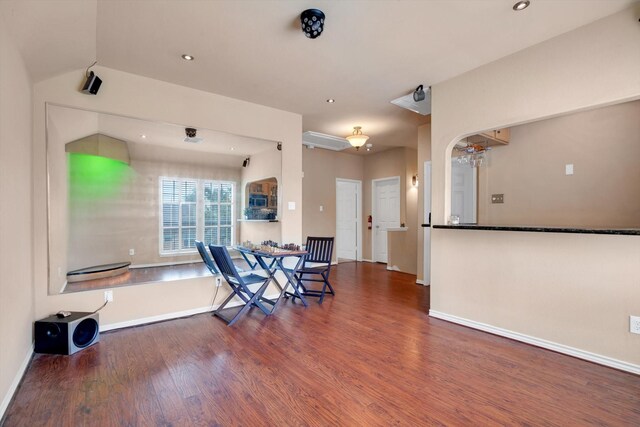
357, 139
312, 21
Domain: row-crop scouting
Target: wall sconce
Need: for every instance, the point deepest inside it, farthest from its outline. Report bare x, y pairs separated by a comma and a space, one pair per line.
414, 180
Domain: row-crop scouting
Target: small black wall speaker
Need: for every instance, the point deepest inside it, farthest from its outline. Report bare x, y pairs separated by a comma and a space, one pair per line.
92, 85
68, 335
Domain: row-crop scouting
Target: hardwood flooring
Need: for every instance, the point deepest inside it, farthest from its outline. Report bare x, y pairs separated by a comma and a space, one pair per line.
368, 356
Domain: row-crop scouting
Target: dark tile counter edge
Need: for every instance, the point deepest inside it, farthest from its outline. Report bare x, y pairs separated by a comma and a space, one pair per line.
618, 231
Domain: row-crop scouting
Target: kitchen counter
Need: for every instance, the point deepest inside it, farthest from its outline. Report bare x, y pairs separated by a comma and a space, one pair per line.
539, 229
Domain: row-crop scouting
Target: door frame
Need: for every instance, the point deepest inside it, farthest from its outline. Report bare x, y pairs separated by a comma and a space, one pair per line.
426, 238
359, 231
374, 182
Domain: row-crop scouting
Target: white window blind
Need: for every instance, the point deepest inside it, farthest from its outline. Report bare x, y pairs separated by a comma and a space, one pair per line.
195, 209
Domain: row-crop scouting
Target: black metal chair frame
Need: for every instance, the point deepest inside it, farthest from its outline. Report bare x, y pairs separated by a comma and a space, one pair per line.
320, 252
239, 285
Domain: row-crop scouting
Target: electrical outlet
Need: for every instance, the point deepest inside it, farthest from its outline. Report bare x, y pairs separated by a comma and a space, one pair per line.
108, 296
497, 198
132, 252
634, 324
218, 282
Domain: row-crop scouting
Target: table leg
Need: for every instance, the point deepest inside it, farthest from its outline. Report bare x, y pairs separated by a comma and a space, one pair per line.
291, 279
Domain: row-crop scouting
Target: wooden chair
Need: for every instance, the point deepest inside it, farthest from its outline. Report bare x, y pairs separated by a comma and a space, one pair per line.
316, 267
239, 285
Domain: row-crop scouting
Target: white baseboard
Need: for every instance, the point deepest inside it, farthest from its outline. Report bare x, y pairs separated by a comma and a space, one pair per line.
420, 282
16, 382
367, 260
538, 342
392, 268
169, 316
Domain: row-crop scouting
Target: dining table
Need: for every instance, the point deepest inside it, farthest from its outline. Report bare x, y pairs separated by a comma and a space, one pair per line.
271, 260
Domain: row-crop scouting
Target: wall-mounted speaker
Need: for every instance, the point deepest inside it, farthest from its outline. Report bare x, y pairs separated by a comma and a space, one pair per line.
92, 85
67, 335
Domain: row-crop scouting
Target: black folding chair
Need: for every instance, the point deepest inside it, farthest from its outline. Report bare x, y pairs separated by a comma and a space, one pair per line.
239, 285
206, 258
320, 251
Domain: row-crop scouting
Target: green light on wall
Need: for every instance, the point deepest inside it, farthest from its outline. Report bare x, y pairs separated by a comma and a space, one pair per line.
92, 177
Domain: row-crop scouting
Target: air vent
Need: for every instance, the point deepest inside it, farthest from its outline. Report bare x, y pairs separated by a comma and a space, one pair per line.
421, 107
321, 140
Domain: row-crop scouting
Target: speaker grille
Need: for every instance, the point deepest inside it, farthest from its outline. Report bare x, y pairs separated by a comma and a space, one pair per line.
85, 333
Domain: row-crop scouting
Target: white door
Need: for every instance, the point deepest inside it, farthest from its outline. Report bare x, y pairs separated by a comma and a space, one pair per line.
464, 189
426, 275
346, 219
386, 214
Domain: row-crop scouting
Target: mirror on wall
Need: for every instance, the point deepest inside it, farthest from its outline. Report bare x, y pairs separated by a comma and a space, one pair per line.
577, 170
128, 197
261, 200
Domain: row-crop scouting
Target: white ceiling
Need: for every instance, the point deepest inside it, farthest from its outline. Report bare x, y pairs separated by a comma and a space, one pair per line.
370, 52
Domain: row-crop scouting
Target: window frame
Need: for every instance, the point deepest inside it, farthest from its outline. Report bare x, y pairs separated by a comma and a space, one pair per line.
200, 213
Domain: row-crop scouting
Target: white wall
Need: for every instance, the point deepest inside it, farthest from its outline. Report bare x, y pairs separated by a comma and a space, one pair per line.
16, 260
144, 98
573, 290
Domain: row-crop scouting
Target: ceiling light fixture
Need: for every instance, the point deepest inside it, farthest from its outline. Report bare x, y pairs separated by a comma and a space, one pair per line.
521, 5
312, 21
188, 57
143, 136
357, 139
232, 148
331, 100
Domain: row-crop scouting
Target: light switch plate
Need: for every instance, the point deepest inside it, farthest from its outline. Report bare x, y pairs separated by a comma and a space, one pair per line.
568, 169
292, 206
634, 324
497, 198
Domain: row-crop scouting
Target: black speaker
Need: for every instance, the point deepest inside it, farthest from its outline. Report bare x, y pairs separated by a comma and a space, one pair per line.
68, 335
92, 85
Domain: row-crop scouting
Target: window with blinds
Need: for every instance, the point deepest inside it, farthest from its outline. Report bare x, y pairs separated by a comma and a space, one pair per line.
195, 210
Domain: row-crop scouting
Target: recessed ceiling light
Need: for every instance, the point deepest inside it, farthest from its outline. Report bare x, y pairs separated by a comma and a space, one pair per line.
331, 100
521, 5
143, 136
232, 148
188, 57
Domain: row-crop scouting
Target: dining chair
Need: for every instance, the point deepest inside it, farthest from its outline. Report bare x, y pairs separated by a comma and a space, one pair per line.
206, 258
239, 284
316, 267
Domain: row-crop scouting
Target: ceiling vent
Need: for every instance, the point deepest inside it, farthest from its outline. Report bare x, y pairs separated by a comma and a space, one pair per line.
321, 140
421, 107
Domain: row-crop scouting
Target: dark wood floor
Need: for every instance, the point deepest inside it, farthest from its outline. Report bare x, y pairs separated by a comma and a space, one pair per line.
368, 356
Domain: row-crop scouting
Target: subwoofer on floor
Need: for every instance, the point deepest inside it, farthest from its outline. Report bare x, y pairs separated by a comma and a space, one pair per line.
68, 335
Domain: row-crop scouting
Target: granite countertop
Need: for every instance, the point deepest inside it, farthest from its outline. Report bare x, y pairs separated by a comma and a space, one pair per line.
541, 229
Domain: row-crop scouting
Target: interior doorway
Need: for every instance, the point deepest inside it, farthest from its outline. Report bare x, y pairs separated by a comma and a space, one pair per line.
348, 220
385, 212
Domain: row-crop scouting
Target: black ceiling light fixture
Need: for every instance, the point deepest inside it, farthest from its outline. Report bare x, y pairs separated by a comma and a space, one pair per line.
312, 21
521, 5
418, 94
